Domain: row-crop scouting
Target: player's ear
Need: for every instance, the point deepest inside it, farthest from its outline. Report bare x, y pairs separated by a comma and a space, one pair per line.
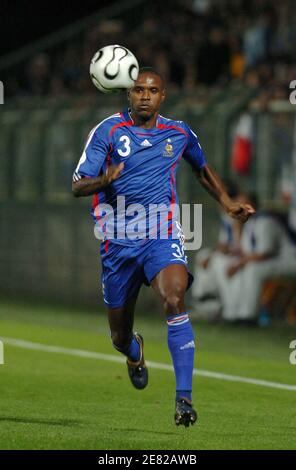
163, 95
128, 95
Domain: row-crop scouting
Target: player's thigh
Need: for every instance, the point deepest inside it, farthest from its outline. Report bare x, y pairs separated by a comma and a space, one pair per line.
165, 266
170, 283
122, 278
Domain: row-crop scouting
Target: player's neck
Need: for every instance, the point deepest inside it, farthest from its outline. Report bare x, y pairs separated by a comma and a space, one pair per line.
149, 124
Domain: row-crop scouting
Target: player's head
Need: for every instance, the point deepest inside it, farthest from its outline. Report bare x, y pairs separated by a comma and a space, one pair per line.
147, 94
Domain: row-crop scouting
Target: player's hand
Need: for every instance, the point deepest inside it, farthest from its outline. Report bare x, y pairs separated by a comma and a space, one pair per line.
240, 211
113, 172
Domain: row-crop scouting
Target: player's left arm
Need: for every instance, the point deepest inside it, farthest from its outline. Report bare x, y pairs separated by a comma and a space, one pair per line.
211, 181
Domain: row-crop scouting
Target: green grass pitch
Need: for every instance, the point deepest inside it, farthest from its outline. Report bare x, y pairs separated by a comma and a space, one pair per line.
58, 401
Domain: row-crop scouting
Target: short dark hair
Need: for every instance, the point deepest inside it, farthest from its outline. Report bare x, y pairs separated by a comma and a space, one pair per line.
153, 71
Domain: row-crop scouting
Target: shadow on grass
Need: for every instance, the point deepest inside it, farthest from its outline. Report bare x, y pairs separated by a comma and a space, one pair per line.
58, 422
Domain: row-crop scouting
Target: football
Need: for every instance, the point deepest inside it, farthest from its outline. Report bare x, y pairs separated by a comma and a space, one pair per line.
113, 68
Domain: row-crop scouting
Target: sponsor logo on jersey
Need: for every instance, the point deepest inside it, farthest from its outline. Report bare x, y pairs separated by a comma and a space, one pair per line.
146, 143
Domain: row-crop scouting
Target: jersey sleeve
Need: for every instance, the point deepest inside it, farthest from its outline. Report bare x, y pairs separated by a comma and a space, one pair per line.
94, 154
193, 153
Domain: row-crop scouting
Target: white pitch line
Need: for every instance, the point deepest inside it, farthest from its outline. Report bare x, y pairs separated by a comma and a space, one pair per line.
154, 365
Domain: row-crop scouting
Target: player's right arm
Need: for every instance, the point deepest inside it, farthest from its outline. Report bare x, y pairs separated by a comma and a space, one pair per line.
93, 173
87, 186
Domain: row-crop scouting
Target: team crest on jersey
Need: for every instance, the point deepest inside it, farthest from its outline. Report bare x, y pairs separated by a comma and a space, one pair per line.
169, 149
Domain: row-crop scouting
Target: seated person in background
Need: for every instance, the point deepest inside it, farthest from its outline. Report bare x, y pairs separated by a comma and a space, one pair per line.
205, 289
267, 248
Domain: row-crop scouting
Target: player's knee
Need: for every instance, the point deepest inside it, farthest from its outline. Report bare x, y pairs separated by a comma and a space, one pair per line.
174, 299
120, 340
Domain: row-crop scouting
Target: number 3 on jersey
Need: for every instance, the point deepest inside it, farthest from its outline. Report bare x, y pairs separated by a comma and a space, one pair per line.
126, 146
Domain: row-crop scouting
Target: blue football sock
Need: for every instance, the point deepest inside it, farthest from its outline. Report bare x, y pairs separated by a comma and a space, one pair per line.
181, 346
132, 352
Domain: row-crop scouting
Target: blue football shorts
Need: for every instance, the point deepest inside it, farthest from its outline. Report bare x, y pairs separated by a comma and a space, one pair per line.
126, 268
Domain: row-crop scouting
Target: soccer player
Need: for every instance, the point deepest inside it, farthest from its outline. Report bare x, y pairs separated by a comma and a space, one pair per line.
136, 154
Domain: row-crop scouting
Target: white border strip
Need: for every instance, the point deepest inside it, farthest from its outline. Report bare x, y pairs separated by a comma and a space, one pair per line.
154, 365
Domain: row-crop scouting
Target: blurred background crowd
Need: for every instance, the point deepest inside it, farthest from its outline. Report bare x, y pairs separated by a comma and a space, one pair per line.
193, 43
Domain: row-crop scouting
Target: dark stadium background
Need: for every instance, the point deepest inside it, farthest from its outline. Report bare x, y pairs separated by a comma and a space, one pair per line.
23, 22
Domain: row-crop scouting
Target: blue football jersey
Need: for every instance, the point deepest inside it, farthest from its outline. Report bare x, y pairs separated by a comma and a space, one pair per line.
151, 158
